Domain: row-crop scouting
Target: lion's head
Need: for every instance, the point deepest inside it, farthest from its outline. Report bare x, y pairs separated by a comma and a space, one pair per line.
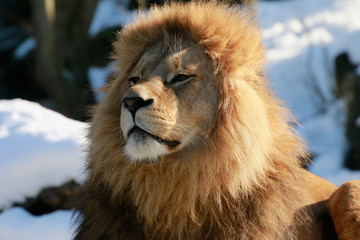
189, 121
171, 100
188, 77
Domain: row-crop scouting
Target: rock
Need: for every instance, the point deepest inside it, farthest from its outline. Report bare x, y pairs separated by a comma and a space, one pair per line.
51, 199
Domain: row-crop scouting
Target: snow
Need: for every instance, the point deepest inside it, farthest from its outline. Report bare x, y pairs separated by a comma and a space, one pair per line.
302, 39
24, 48
326, 140
97, 77
17, 224
41, 148
109, 14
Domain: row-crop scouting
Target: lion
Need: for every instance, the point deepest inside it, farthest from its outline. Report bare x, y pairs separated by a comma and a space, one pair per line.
190, 142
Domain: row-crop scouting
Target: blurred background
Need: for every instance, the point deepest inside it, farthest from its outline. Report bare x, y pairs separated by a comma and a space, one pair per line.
54, 58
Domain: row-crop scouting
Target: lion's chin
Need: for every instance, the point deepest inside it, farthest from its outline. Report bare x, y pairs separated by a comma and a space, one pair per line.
142, 146
146, 149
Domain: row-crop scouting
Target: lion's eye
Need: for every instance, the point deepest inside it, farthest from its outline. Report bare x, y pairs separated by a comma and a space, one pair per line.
180, 78
133, 80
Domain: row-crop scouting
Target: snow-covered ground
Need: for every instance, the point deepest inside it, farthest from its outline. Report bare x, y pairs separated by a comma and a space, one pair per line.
302, 39
17, 224
40, 148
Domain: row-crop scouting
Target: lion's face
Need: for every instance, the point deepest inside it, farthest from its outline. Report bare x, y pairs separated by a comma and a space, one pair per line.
171, 101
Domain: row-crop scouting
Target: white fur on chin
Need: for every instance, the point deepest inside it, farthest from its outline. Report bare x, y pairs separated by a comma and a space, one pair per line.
148, 149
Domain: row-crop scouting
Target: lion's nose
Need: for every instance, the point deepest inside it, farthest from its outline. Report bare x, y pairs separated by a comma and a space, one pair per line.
135, 103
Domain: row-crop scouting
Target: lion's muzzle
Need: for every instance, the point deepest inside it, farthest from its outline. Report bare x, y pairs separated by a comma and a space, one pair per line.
135, 103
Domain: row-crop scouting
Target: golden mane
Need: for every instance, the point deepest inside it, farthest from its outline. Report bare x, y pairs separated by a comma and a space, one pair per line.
248, 164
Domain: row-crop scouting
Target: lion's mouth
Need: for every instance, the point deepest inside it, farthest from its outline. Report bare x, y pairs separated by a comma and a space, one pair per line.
171, 143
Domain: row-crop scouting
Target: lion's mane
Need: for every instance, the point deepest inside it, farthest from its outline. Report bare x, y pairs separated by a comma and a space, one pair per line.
239, 185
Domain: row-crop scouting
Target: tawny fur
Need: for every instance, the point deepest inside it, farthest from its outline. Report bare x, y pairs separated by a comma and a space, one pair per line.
243, 180
345, 210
